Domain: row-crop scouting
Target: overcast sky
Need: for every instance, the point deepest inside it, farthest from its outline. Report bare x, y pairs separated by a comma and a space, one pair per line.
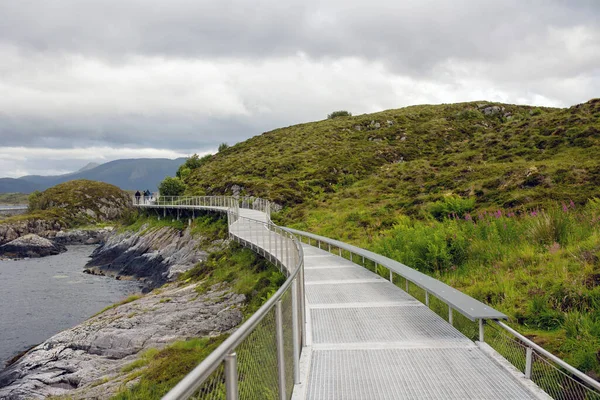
98, 80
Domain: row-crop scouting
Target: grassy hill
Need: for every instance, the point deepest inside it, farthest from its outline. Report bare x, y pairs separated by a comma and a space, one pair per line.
76, 203
495, 199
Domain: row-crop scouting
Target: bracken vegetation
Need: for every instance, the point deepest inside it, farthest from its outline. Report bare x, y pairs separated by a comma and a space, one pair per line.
494, 199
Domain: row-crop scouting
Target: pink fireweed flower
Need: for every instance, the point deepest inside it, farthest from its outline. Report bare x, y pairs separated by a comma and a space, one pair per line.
468, 217
571, 204
564, 207
498, 214
534, 213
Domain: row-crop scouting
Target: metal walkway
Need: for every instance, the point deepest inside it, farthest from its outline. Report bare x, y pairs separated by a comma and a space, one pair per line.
364, 337
371, 340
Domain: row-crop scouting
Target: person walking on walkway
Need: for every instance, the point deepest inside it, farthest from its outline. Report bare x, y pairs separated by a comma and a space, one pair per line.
137, 197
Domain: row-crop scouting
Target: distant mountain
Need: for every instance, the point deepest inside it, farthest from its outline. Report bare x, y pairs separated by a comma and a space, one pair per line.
89, 166
129, 174
11, 185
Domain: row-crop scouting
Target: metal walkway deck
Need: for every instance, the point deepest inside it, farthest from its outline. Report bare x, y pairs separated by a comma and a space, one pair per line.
371, 340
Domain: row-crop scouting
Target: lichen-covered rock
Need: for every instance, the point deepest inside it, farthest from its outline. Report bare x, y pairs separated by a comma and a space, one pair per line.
31, 246
86, 361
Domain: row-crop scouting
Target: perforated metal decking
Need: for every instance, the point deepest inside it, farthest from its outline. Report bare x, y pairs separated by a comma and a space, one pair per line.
371, 340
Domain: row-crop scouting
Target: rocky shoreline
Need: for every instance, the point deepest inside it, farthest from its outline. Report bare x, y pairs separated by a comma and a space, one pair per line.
51, 243
86, 361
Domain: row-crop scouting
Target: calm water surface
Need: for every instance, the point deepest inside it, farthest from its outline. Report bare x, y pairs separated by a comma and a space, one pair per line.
43, 296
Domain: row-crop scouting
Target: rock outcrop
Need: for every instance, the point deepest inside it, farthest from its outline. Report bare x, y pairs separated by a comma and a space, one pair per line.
81, 236
31, 246
153, 256
11, 230
86, 362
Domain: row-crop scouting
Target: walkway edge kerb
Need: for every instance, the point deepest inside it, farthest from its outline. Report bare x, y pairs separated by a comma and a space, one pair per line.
466, 305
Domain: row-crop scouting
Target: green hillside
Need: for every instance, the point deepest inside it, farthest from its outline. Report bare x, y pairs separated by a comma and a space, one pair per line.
491, 198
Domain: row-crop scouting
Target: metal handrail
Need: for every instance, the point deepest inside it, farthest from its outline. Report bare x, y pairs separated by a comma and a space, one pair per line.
528, 343
293, 263
466, 305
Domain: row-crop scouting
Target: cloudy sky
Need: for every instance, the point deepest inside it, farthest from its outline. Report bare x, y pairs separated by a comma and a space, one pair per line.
98, 80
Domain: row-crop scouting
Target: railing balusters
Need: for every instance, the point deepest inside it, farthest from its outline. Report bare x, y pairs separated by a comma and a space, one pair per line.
231, 377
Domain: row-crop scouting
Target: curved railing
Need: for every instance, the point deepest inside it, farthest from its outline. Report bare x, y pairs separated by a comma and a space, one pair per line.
261, 358
234, 369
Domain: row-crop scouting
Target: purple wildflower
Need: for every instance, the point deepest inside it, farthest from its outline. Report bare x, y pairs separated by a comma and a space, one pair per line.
468, 217
534, 213
565, 208
571, 204
498, 214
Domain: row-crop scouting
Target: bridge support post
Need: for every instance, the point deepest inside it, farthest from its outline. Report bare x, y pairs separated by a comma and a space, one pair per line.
231, 377
296, 329
280, 353
481, 330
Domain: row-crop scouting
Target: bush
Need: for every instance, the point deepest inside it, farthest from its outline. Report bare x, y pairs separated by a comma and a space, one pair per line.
192, 163
426, 246
341, 113
171, 187
35, 200
223, 146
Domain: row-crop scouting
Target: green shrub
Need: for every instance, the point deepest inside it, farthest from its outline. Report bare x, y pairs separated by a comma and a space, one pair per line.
223, 146
425, 246
35, 201
192, 163
337, 114
171, 187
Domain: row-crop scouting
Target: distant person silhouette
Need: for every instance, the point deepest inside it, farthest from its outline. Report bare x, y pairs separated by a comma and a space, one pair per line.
137, 197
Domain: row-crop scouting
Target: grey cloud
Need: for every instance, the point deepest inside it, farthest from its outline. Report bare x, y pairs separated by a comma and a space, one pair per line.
410, 36
179, 134
187, 75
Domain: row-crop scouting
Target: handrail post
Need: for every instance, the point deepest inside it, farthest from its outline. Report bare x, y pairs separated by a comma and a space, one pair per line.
302, 302
528, 362
295, 329
427, 298
231, 377
280, 349
450, 316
